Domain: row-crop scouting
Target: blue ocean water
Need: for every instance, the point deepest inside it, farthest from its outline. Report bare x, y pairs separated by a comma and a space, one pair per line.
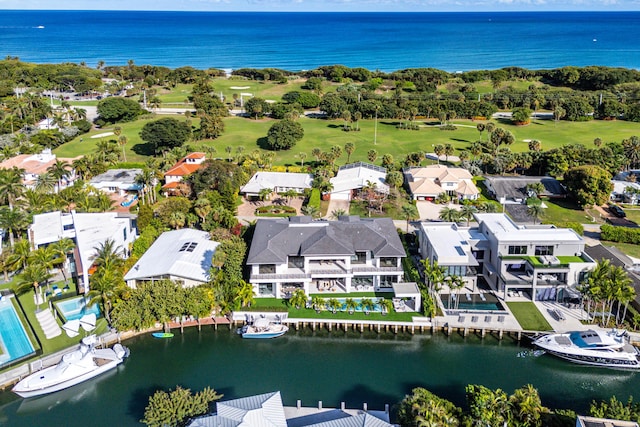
297, 41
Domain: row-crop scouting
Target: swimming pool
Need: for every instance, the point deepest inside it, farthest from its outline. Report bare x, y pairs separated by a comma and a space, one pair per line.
472, 303
75, 308
376, 307
14, 342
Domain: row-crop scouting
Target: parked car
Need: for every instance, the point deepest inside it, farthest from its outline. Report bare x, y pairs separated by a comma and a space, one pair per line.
617, 211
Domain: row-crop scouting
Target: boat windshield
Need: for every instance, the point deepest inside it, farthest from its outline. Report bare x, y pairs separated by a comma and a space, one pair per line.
586, 339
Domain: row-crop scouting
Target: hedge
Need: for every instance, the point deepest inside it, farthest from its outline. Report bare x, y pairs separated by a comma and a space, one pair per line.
314, 198
576, 226
613, 233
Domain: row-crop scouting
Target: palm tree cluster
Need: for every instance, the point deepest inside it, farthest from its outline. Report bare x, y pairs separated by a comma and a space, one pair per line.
466, 211
608, 286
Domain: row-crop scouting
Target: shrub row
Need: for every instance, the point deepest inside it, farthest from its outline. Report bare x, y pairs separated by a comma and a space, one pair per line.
314, 198
575, 226
613, 233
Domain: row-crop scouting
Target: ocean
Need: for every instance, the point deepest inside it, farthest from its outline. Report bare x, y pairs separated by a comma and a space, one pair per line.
298, 41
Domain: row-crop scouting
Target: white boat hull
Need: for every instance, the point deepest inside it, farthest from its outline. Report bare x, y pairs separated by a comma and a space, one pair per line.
272, 330
75, 367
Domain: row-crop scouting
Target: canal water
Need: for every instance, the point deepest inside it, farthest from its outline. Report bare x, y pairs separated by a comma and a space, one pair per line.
311, 366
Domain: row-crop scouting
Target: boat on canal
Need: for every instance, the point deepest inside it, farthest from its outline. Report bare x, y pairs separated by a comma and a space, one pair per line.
75, 367
608, 349
263, 328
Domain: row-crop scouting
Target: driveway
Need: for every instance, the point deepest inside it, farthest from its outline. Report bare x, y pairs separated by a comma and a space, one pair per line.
335, 204
431, 211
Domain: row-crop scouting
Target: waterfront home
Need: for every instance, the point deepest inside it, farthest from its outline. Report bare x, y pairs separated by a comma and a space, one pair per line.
183, 256
353, 177
183, 168
277, 182
584, 421
88, 231
427, 183
34, 165
348, 255
541, 262
267, 410
118, 181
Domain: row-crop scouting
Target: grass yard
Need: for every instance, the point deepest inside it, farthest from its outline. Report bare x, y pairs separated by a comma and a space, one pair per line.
324, 134
628, 248
559, 210
529, 317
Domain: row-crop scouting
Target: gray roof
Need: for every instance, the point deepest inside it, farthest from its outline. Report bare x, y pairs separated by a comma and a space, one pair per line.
121, 178
275, 240
514, 187
263, 410
185, 253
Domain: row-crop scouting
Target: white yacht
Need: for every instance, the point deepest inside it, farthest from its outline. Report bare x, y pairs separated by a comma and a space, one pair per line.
608, 349
75, 367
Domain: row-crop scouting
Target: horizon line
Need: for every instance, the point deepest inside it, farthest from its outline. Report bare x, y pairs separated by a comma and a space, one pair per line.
324, 11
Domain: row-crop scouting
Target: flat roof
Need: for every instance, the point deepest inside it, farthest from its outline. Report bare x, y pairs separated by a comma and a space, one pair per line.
506, 230
450, 243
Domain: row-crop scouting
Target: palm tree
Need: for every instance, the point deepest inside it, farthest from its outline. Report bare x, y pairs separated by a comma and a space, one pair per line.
46, 183
535, 210
146, 179
13, 221
290, 194
108, 256
439, 150
372, 155
245, 295
298, 298
351, 305
367, 304
202, 208
448, 151
177, 220
302, 156
456, 283
527, 406
32, 277
310, 210
318, 303
386, 305
11, 187
61, 249
410, 213
105, 284
337, 213
20, 254
264, 194
433, 274
122, 142
480, 127
349, 148
59, 170
449, 214
467, 211
334, 304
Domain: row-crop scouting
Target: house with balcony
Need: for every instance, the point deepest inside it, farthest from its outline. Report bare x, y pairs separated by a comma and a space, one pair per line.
427, 183
352, 178
329, 257
118, 181
541, 262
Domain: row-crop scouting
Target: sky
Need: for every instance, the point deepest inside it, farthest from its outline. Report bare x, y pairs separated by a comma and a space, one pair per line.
328, 5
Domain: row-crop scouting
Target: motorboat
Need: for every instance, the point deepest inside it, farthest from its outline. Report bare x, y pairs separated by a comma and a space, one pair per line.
263, 328
75, 367
608, 349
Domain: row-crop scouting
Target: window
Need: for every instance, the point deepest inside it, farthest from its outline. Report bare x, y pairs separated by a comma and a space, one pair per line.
455, 270
544, 250
296, 262
265, 289
67, 227
359, 258
188, 247
518, 250
388, 262
124, 231
267, 269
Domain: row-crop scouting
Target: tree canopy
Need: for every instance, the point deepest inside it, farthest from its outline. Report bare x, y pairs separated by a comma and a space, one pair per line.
165, 134
284, 134
589, 185
117, 109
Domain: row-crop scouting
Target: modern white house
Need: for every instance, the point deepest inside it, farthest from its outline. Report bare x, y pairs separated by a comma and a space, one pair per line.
88, 231
351, 178
279, 182
329, 257
119, 181
427, 183
267, 410
184, 256
539, 261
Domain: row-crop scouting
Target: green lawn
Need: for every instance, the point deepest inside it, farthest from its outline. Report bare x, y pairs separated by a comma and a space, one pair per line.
528, 316
326, 133
628, 248
566, 210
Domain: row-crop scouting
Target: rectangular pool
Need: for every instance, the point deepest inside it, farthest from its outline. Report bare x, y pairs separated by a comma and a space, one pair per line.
14, 342
472, 303
75, 308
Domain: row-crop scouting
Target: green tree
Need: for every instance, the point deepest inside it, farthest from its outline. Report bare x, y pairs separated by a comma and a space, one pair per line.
467, 211
423, 408
372, 155
298, 299
284, 135
172, 409
488, 408
521, 116
14, 221
589, 184
117, 109
256, 107
410, 213
535, 209
165, 134
449, 214
60, 250
349, 148
526, 407
32, 277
